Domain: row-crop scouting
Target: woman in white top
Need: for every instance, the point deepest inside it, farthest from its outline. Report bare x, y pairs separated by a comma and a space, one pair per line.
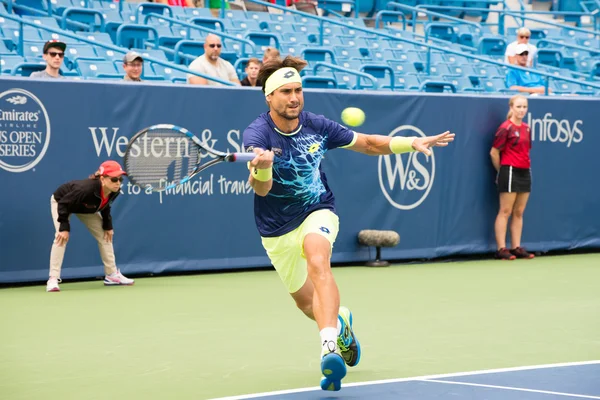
523, 36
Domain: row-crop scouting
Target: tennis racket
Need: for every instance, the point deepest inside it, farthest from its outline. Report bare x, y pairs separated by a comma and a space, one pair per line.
164, 156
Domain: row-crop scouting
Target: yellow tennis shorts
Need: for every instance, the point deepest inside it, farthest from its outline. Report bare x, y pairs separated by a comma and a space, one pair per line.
287, 251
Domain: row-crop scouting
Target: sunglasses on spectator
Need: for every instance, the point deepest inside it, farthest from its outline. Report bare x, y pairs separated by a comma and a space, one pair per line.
115, 179
212, 46
54, 54
524, 37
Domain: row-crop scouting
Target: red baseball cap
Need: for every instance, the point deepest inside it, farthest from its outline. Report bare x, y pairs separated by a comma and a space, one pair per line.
111, 168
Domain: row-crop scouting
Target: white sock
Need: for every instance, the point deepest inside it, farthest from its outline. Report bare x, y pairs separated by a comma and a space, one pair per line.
339, 327
329, 339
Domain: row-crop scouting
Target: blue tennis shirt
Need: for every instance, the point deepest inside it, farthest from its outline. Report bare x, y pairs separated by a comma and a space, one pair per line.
299, 185
528, 79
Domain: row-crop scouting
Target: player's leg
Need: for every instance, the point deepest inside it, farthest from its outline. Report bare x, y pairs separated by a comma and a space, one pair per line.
516, 226
507, 201
57, 254
113, 276
317, 251
326, 304
304, 298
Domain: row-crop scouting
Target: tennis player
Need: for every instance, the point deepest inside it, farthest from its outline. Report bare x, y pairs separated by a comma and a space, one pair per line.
510, 157
295, 209
90, 200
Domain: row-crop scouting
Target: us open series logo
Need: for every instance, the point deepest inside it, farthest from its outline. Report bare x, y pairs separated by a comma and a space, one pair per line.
24, 130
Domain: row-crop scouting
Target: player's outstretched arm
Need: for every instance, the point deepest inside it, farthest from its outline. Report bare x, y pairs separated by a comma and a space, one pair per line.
261, 171
378, 145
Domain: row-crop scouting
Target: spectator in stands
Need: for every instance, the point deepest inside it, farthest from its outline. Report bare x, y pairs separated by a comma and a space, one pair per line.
252, 68
181, 3
133, 63
54, 55
215, 7
510, 157
524, 81
90, 200
211, 63
523, 37
271, 53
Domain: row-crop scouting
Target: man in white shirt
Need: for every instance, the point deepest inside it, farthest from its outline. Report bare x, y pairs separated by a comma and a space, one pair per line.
523, 36
211, 63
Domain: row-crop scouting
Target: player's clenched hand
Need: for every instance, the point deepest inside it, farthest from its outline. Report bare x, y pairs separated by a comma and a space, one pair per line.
62, 238
263, 159
423, 144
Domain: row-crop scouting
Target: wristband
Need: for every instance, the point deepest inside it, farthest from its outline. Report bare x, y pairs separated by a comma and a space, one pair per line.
400, 144
263, 175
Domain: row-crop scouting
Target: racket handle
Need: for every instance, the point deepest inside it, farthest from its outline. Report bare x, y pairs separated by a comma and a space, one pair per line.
241, 157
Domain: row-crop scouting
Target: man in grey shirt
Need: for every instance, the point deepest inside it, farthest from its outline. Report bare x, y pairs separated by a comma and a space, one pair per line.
211, 63
54, 55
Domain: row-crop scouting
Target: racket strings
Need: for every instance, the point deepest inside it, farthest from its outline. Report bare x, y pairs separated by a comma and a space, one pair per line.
160, 158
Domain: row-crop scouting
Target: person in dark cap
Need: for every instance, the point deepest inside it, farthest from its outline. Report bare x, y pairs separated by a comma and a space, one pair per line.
133, 63
54, 55
90, 200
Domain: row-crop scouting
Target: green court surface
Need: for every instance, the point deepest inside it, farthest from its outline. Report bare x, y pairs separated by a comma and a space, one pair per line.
213, 335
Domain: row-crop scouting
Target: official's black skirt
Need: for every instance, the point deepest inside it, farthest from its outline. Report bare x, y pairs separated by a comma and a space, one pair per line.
514, 180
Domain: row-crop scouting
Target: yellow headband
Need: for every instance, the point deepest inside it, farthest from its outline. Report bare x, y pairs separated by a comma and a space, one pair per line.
281, 77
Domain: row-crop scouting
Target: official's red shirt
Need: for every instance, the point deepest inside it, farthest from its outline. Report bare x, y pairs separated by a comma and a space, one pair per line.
104, 199
514, 143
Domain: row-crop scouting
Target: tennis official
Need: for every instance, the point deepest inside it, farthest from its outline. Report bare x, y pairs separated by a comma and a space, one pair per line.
510, 157
295, 209
90, 200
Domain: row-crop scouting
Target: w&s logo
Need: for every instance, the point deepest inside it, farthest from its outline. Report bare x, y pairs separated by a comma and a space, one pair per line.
406, 179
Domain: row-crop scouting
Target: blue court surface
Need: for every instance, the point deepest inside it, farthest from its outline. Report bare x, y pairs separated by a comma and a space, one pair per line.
579, 380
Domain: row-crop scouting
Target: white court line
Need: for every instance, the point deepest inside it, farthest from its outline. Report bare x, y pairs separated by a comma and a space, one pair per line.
416, 378
512, 388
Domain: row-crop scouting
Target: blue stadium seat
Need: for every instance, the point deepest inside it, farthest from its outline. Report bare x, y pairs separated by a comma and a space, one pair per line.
198, 12
403, 67
382, 72
287, 19
6, 50
437, 86
315, 54
97, 69
262, 40
169, 74
462, 84
277, 27
552, 57
408, 82
319, 82
345, 80
154, 53
438, 69
492, 45
135, 35
351, 64
7, 63
74, 52
493, 84
342, 52
33, 49
258, 16
443, 31
294, 38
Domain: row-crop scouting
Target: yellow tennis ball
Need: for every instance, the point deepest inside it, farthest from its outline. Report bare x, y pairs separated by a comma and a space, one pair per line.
353, 116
